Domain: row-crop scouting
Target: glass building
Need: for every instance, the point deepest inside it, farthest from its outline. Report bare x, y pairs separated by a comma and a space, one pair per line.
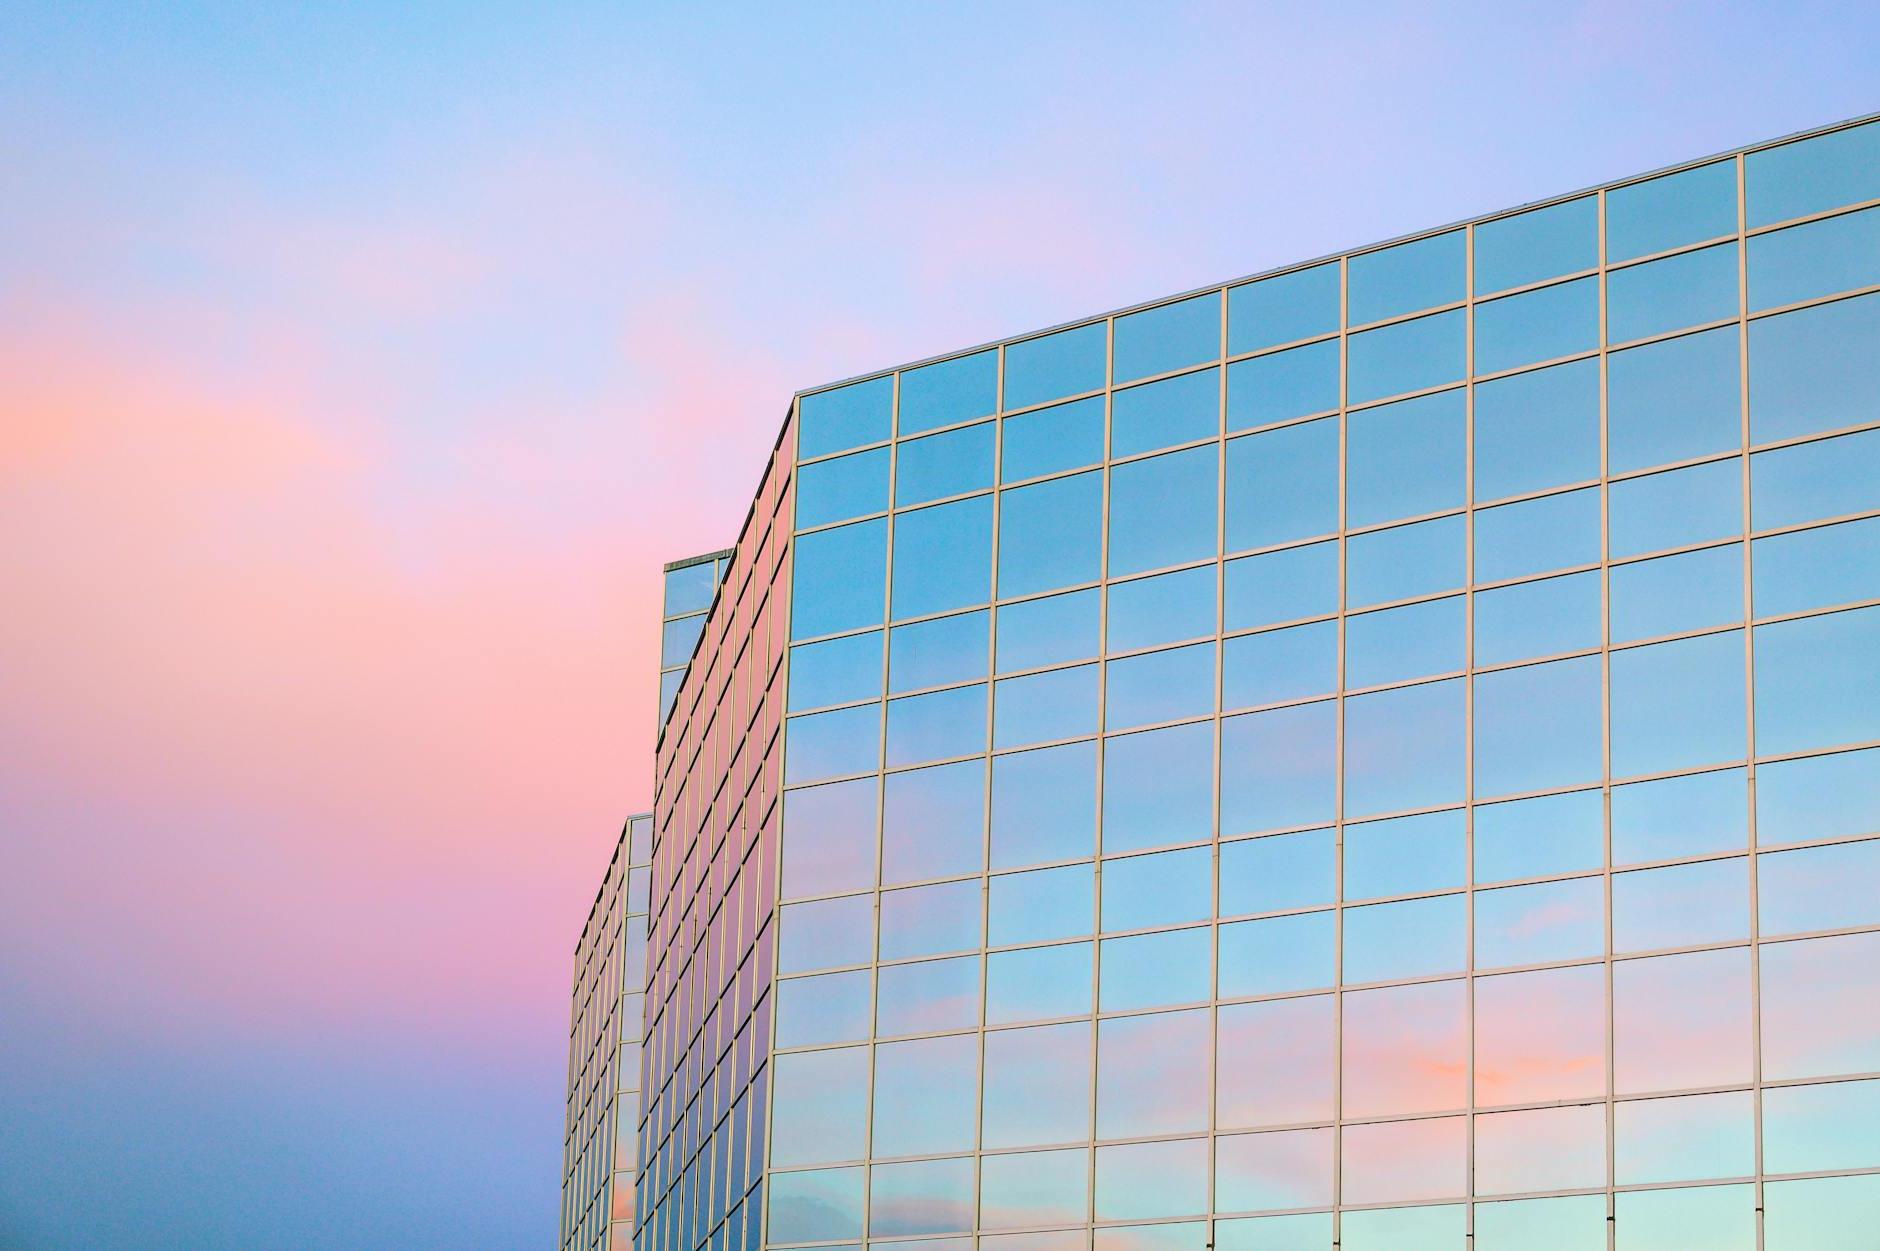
603, 1114
686, 594
1382, 755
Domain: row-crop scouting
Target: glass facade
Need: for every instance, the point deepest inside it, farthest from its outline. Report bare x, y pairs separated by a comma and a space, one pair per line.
1382, 755
686, 594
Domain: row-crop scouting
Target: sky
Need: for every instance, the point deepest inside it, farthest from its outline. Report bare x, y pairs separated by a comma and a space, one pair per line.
360, 365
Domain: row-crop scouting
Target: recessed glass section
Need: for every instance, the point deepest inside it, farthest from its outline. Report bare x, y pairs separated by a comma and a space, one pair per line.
1817, 568
934, 822
1276, 955
1410, 938
936, 726
1538, 727
1155, 970
930, 920
1041, 906
927, 996
1406, 855
1816, 683
1166, 888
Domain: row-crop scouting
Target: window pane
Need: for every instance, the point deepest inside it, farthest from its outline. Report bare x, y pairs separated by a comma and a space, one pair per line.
1673, 594
1156, 788
1406, 356
829, 839
1050, 440
1412, 938
944, 464
1157, 340
1821, 1214
1402, 1161
1677, 817
1674, 400
846, 417
924, 1095
1280, 664
1275, 1062
1407, 277
1050, 534
1540, 1149
1160, 414
1681, 1021
1280, 871
1152, 1074
1441, 1228
1049, 631
1540, 924
1676, 508
1404, 855
1567, 1223
1815, 481
1041, 906
1814, 369
930, 920
1823, 797
1684, 905
1817, 1128
1678, 705
943, 557
1536, 837
931, 653
1811, 175
1166, 608
1037, 1085
1167, 888
1283, 308
1055, 365
1539, 727
1684, 290
1540, 1036
1820, 258
1282, 485
1038, 983
1716, 1218
1404, 748
1279, 954
836, 1007
1538, 618
934, 822
820, 1109
1670, 211
1820, 888
1555, 321
1043, 706
1162, 510
690, 588
1145, 1181
1817, 568
1688, 1139
936, 726
1294, 383
836, 672
924, 1197
1537, 536
1537, 430
1159, 686
1034, 1188
1816, 681
1155, 970
848, 486
826, 933
1044, 805
1405, 561
1538, 244
841, 579
927, 996
1406, 1050
1278, 768
1255, 1172
1281, 586
1821, 1005
1401, 460
822, 1204
949, 391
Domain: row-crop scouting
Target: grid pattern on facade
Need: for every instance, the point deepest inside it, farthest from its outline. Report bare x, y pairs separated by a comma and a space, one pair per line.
1377, 755
598, 1147
685, 595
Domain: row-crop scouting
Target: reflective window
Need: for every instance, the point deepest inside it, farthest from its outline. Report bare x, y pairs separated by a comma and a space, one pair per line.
1281, 586
1162, 510
817, 1205
831, 421
1283, 308
820, 1109
1821, 1005
1404, 561
1672, 818
829, 744
1156, 787
1407, 277
1681, 1021
836, 672
1539, 726
1281, 385
1537, 618
1540, 1149
1823, 797
1540, 924
1278, 954
1411, 938
1039, 707
1820, 888
1275, 1062
1044, 805
1152, 1074
1673, 594
1811, 175
1278, 768
1055, 365
1051, 440
923, 1197
1537, 536
689, 588
1038, 983
1155, 970
1157, 340
1406, 356
929, 995
1537, 430
1034, 1188
934, 822
1166, 608
1814, 369
848, 486
1280, 871
1440, 1228
836, 1007
930, 920
1551, 322
840, 579
1566, 1223
1041, 906
1280, 664
1406, 1050
1536, 837
943, 557
826, 934
1817, 1128
1409, 642
943, 464
1684, 905
1813, 481
1282, 485
1536, 245
1678, 705
1686, 1139
1817, 568
1162, 414
1037, 1085
936, 726
949, 391
1145, 1181
1290, 1169
1300, 1231
1820, 258
1670, 294
924, 1096
1404, 855
1404, 748
1049, 631
1167, 888
1816, 683
1676, 508
1540, 1036
1717, 1218
1674, 400
933, 653
1401, 460
1050, 534
1159, 686
1670, 211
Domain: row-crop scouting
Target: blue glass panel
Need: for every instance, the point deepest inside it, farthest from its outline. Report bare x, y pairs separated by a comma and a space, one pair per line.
828, 744
826, 933
1816, 682
931, 995
1516, 330
1672, 818
1044, 805
1539, 726
1536, 245
1166, 608
1820, 1213
1542, 923
934, 822
1406, 855
941, 465
848, 486
1279, 954
1537, 430
1055, 365
937, 652
1820, 258
1818, 1128
1676, 508
1279, 768
950, 391
942, 557
833, 421
1673, 594
1674, 400
1413, 641
1049, 631
1163, 511
836, 1007
1717, 1218
841, 579
1156, 788
1406, 356
1798, 801
1541, 618
1283, 309
1815, 481
818, 1205
1278, 872
1050, 534
1039, 707
1037, 1087
1279, 665
1051, 440
1281, 586
1159, 686
1404, 561
1403, 459
1669, 294
1567, 1223
1678, 705
1282, 485
836, 672
1408, 276
1404, 748
1536, 837
1814, 369
921, 1197
1155, 970
1295, 383
936, 726
1157, 340
1817, 568
1038, 983
1148, 1180
1041, 906
1813, 175
1408, 939
1162, 414
1822, 888
1671, 211
679, 639
925, 1102
1166, 888
690, 588
930, 920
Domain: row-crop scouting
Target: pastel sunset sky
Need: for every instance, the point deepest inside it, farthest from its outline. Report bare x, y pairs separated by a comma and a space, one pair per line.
359, 366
